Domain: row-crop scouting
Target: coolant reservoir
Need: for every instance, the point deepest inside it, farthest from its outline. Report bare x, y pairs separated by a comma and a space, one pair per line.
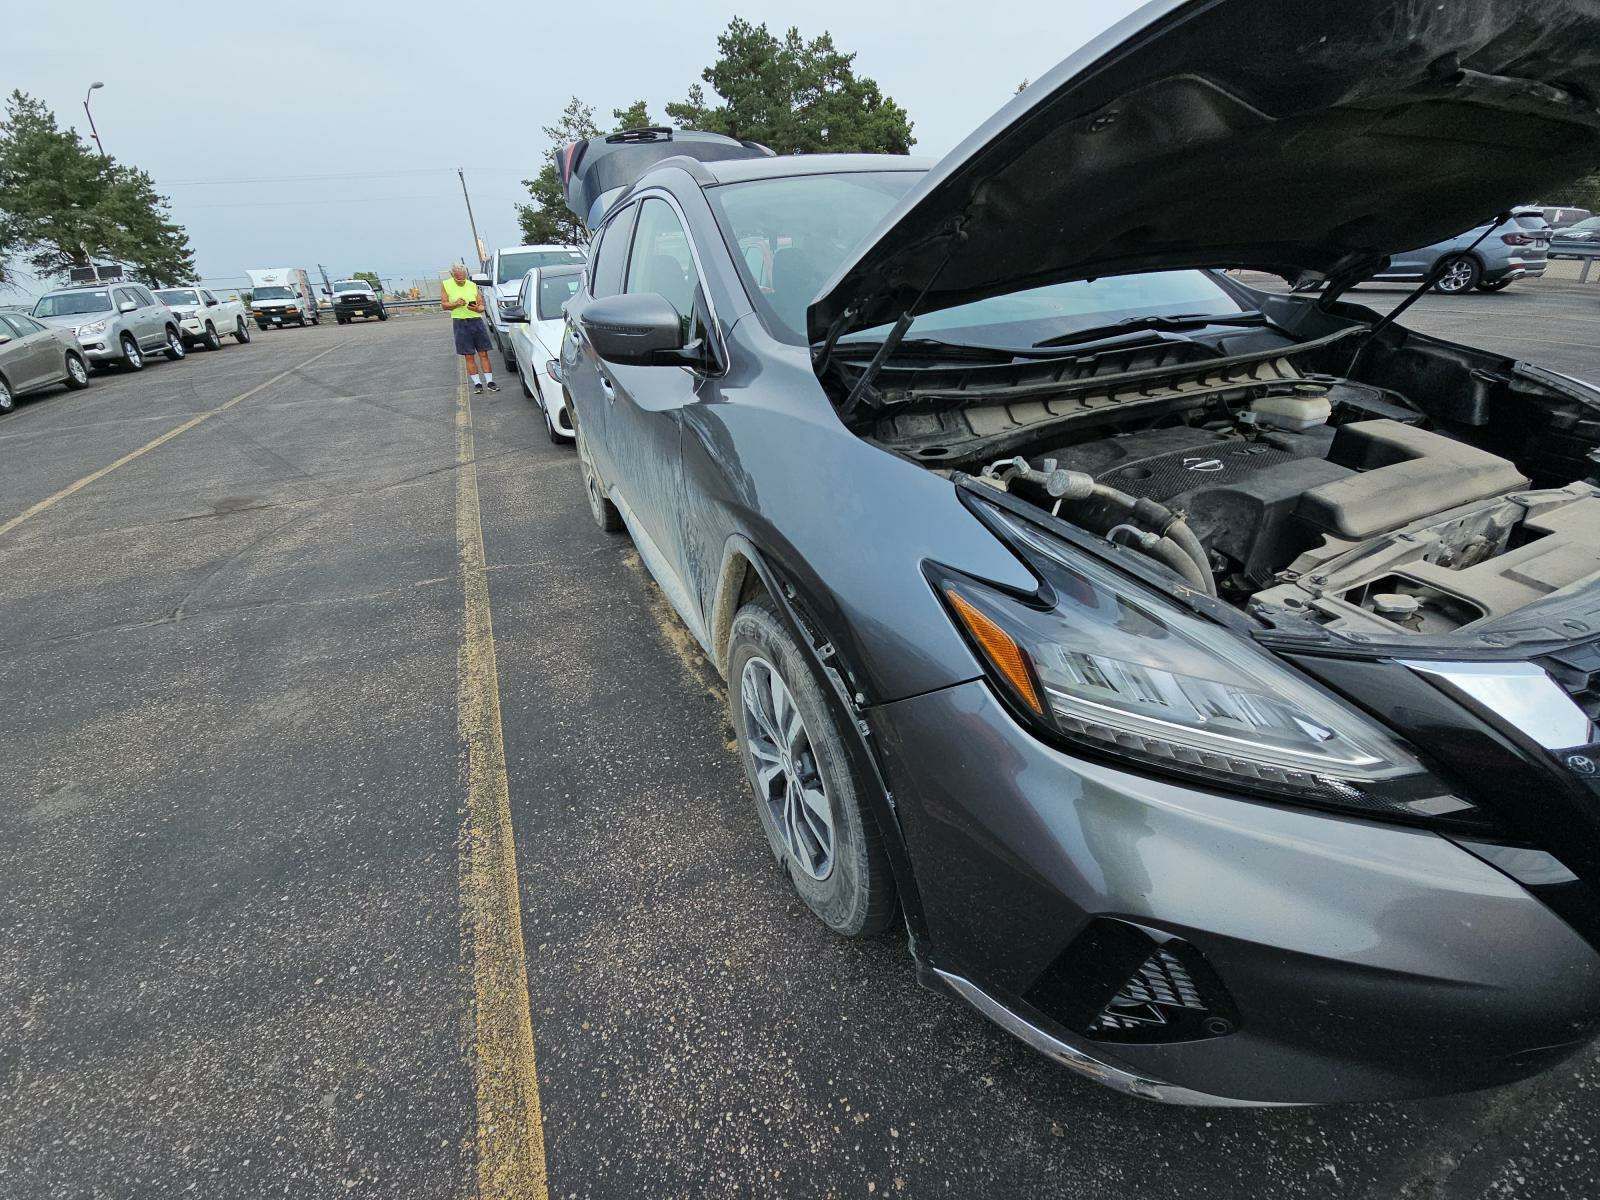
1297, 412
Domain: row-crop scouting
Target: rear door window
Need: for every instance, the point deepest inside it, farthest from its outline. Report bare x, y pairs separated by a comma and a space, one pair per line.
611, 256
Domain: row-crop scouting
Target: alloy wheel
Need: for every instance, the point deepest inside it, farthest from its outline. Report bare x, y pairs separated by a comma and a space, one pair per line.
7, 401
1457, 277
76, 370
788, 780
175, 346
132, 353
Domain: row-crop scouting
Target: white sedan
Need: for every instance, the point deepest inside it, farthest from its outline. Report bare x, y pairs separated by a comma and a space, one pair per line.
534, 325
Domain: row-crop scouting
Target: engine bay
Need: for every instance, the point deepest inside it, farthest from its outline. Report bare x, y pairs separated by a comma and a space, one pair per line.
1283, 493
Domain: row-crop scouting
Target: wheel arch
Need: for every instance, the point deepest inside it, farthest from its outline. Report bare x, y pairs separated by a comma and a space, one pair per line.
746, 574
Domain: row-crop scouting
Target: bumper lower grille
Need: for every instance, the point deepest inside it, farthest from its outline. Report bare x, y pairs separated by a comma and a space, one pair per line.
1120, 982
1158, 992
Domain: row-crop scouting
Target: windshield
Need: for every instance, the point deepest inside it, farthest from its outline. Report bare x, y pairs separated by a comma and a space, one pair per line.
794, 233
273, 292
514, 264
1587, 225
176, 296
352, 285
555, 289
70, 304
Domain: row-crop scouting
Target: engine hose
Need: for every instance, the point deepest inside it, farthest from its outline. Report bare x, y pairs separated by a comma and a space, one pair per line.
1184, 538
1170, 539
1163, 549
1170, 527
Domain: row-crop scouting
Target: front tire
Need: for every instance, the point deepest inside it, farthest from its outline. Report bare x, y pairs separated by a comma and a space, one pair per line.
8, 399
809, 793
1459, 274
241, 332
211, 341
132, 356
383, 314
77, 373
174, 350
604, 512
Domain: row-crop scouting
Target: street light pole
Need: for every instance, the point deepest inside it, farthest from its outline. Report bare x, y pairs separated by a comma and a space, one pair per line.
477, 245
95, 132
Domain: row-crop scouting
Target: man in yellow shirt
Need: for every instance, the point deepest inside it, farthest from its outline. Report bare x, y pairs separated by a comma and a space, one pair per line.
459, 297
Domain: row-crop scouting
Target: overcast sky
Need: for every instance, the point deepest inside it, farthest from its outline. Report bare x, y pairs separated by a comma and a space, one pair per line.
243, 117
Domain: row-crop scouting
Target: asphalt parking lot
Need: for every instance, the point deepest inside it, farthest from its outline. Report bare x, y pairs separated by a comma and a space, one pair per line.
263, 616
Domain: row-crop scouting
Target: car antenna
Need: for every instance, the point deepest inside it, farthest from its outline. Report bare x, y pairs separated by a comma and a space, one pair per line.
889, 344
1428, 281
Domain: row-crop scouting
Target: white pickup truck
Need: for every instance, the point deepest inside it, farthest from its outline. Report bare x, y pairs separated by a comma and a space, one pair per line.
203, 318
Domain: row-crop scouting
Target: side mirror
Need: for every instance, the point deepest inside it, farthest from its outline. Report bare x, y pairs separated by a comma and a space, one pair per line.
480, 279
514, 315
635, 329
127, 306
4, 338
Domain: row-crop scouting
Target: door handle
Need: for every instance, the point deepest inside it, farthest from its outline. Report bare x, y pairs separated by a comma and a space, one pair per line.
607, 387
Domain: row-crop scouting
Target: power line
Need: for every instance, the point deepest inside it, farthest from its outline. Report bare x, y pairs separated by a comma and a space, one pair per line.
349, 200
322, 178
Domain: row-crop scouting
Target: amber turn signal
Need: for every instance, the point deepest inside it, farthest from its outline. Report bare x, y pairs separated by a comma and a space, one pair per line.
1002, 651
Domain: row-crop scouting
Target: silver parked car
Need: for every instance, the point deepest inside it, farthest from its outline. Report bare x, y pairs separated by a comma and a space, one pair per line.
1516, 250
34, 356
116, 323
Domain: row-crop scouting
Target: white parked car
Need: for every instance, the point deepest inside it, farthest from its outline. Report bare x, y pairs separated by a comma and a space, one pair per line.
506, 271
535, 322
204, 319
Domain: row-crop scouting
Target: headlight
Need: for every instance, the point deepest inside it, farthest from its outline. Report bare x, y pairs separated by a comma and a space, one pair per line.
1096, 661
92, 328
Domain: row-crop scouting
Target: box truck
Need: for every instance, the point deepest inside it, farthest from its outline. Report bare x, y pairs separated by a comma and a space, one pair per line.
282, 296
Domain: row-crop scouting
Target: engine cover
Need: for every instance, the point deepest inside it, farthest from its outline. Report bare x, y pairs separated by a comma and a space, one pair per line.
1238, 496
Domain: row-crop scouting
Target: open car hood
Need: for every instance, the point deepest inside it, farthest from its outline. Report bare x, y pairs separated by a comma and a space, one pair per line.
1296, 136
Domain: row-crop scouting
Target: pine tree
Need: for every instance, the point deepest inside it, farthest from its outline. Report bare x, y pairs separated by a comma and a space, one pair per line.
63, 204
795, 96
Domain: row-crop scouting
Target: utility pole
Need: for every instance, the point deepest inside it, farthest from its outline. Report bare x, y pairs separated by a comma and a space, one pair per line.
477, 246
90, 115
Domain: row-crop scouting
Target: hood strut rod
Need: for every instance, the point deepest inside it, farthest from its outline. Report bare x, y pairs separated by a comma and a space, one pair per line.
897, 334
1428, 281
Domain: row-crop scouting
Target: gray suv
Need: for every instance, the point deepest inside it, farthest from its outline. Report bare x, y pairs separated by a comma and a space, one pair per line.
1205, 681
116, 323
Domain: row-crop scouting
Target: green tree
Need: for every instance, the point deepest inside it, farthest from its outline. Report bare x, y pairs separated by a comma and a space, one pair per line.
635, 116
797, 96
63, 204
545, 218
372, 278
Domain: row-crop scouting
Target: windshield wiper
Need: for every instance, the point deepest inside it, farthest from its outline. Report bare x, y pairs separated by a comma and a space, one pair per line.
1151, 321
930, 348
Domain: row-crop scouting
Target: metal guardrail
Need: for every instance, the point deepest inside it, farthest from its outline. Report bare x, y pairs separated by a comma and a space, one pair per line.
1589, 252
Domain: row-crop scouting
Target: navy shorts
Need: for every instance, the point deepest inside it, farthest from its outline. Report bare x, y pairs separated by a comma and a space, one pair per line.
471, 335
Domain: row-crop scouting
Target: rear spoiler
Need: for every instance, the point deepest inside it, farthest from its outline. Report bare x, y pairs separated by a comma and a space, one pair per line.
595, 172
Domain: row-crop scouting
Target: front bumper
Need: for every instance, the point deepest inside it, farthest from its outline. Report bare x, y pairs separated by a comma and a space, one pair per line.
280, 316
1364, 961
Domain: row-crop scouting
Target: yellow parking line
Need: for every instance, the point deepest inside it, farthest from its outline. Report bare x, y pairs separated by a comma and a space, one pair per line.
510, 1141
72, 488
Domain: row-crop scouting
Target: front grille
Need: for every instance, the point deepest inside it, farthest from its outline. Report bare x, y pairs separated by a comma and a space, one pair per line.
1578, 672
